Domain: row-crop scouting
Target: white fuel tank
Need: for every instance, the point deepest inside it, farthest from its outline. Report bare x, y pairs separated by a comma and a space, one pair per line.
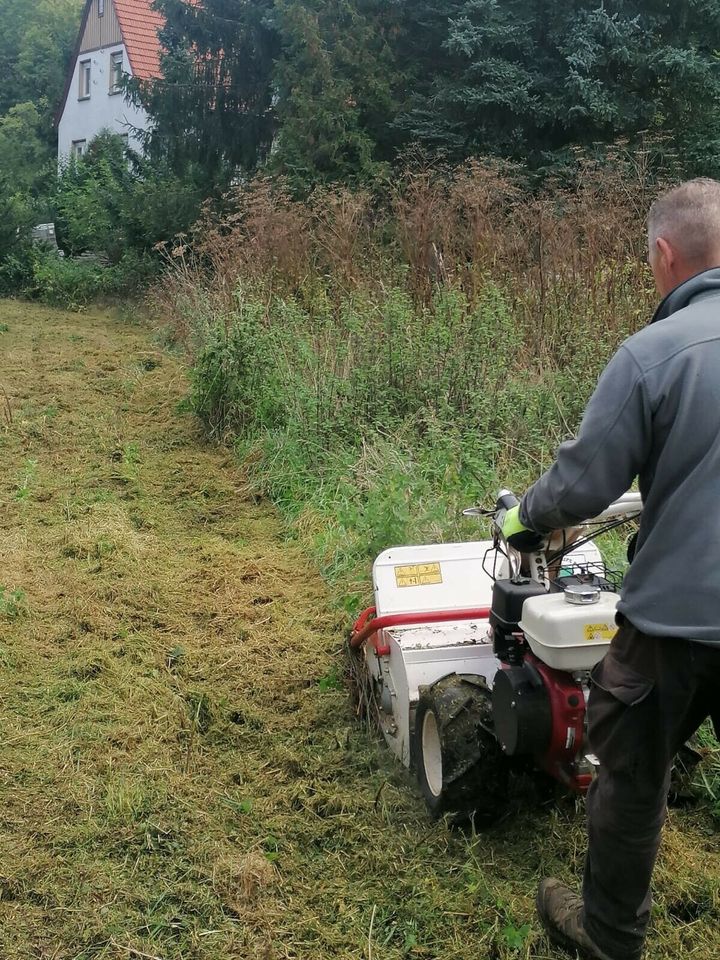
567, 632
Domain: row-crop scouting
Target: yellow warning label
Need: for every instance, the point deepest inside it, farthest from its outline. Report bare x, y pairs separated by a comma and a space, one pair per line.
599, 632
418, 575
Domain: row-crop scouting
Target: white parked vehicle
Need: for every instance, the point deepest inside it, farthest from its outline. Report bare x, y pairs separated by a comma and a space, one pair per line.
44, 235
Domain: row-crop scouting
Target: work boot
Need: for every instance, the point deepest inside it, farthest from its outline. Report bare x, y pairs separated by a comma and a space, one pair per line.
561, 913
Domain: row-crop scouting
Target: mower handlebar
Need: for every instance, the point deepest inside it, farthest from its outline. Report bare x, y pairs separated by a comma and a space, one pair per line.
629, 505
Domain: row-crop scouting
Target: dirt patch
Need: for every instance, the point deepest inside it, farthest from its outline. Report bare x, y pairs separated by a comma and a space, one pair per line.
182, 776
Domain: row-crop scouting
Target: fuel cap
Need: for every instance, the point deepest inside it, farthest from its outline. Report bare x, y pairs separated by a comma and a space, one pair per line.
582, 593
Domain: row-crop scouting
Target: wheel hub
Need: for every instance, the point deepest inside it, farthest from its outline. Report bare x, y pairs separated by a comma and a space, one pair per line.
432, 753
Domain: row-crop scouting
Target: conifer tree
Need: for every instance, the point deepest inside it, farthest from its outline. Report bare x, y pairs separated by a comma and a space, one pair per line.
335, 89
529, 78
327, 90
214, 106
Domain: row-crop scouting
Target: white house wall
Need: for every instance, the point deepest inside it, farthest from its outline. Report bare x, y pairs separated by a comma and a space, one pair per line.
84, 119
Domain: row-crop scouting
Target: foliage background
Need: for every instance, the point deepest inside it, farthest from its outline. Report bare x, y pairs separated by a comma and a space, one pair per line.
345, 92
335, 90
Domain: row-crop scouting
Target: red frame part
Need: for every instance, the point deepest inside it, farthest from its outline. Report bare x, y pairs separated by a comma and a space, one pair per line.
368, 624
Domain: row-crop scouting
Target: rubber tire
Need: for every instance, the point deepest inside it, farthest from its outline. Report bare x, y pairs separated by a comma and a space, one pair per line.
474, 769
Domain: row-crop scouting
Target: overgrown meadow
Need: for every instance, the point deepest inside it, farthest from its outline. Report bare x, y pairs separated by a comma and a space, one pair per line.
381, 360
186, 776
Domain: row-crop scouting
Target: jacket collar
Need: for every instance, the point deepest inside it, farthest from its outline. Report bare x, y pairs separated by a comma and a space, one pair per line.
706, 283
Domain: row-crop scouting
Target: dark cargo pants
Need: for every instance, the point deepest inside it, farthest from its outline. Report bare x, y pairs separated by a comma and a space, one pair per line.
649, 695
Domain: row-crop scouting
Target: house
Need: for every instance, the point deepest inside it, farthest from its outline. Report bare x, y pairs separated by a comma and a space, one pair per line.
117, 38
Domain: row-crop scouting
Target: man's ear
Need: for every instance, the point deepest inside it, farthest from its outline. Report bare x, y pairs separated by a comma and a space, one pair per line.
666, 253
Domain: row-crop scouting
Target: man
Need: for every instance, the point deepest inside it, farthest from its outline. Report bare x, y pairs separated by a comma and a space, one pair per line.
655, 414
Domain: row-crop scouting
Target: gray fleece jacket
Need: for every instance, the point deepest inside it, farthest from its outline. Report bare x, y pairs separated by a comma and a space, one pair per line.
655, 414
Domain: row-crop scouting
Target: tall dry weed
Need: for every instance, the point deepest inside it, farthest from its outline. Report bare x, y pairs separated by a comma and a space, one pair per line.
568, 258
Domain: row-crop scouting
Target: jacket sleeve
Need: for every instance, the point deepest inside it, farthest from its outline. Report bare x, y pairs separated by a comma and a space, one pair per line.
612, 445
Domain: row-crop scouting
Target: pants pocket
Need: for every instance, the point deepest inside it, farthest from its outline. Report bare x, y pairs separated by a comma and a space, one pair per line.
621, 681
620, 715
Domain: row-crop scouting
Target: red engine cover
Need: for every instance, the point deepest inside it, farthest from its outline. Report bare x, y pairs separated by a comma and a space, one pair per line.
567, 704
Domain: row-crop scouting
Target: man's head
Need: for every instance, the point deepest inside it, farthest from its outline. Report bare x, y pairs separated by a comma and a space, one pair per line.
684, 232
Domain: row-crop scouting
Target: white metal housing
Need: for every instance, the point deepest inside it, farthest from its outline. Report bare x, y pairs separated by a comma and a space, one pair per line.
419, 579
439, 577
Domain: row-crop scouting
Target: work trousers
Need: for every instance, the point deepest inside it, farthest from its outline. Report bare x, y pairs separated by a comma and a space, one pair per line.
649, 695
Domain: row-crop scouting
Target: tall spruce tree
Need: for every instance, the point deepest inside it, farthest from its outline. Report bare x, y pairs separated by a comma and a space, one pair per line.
329, 89
335, 89
308, 80
213, 109
529, 78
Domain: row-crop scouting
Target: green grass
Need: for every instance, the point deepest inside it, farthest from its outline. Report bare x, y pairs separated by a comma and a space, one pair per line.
372, 421
183, 774
13, 603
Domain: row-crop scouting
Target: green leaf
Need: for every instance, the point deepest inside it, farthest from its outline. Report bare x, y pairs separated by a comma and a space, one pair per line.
515, 937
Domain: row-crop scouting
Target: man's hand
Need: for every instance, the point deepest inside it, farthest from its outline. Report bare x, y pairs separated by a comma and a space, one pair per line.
519, 536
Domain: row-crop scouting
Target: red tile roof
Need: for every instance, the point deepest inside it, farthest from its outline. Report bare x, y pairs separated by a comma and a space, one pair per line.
140, 24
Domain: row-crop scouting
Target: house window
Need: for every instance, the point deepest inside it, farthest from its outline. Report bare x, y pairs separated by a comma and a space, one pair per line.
79, 148
116, 72
85, 78
101, 8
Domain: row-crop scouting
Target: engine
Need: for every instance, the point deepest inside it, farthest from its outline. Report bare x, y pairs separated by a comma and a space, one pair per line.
540, 712
547, 644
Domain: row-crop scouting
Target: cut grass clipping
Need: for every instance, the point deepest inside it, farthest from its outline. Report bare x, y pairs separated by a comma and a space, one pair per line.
182, 773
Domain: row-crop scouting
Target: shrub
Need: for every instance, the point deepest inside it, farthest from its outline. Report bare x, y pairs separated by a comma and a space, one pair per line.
110, 204
69, 283
17, 213
17, 269
233, 380
111, 201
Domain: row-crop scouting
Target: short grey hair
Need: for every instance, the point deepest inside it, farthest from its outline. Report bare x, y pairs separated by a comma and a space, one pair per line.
688, 217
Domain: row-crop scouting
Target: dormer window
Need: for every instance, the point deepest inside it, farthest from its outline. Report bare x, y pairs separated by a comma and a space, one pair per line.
101, 8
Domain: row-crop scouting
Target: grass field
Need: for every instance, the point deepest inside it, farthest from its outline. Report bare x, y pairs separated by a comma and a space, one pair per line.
182, 775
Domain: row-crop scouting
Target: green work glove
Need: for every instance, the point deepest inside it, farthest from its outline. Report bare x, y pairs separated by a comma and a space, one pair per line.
518, 535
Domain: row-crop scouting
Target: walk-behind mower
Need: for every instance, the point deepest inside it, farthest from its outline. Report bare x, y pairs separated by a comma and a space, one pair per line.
476, 659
